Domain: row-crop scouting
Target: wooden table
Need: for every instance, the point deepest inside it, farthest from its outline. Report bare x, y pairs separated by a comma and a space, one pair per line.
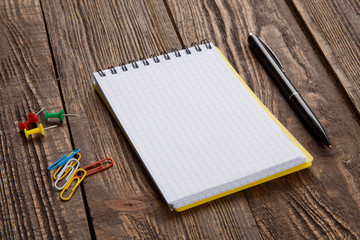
49, 49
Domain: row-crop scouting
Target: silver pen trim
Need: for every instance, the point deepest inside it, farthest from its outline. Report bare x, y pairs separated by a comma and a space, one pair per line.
295, 93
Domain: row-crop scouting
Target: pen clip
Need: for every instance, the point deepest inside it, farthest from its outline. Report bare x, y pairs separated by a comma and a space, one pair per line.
272, 54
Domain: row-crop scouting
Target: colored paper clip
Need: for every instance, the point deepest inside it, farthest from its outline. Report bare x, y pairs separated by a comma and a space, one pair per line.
73, 163
97, 166
73, 177
64, 159
72, 171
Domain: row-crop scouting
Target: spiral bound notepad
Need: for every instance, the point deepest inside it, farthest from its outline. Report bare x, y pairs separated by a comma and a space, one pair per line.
196, 126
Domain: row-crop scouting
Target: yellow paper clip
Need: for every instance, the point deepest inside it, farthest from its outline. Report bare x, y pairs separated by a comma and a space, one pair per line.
72, 163
79, 180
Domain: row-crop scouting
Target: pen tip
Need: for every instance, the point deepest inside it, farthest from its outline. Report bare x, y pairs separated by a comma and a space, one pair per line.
250, 33
330, 146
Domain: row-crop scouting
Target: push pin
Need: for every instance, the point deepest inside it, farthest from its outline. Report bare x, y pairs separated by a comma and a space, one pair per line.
59, 115
32, 118
39, 129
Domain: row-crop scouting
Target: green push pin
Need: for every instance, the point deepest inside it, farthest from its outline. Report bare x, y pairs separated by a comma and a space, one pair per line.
59, 115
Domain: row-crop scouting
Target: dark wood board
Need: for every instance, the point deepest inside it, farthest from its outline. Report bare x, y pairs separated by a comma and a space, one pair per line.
123, 201
334, 27
49, 50
30, 208
322, 201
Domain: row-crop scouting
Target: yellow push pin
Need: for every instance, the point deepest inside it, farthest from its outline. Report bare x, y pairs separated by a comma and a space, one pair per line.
39, 129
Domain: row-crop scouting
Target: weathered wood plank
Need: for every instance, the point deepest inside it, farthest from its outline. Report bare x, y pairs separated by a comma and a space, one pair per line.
30, 208
335, 28
123, 202
322, 201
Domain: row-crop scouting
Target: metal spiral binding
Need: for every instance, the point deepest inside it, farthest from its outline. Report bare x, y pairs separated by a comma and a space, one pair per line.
145, 62
166, 55
113, 70
156, 59
134, 64
206, 43
123, 67
196, 46
177, 52
101, 73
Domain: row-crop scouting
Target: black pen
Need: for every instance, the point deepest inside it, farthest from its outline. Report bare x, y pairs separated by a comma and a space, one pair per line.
273, 66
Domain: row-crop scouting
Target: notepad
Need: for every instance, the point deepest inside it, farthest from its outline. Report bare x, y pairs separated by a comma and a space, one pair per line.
199, 130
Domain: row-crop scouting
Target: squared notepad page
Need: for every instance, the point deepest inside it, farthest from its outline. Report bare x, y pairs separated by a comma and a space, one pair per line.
195, 126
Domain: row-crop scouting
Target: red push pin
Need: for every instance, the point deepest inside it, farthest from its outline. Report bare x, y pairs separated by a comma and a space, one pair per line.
32, 118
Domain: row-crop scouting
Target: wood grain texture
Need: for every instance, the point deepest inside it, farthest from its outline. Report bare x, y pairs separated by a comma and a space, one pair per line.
335, 28
30, 208
84, 36
123, 201
320, 202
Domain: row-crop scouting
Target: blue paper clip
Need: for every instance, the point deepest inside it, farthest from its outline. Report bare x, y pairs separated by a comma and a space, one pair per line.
64, 159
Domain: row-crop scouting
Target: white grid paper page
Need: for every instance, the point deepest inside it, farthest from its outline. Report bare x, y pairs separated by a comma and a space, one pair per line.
196, 128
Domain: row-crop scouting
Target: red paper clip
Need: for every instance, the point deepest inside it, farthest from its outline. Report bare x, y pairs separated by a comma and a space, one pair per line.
96, 167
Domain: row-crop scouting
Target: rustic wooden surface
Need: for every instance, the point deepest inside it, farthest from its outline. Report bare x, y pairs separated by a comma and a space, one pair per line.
335, 28
29, 206
50, 48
